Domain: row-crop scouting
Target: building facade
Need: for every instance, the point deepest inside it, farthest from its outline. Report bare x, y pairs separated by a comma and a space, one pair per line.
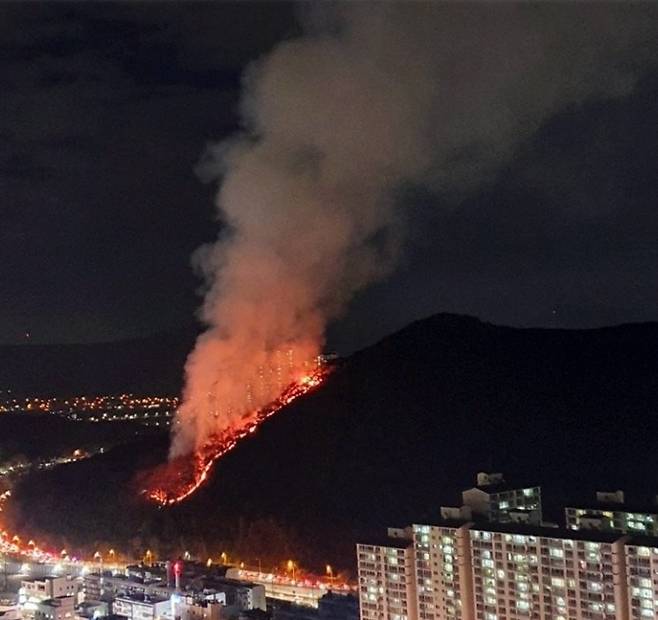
387, 580
546, 573
442, 566
642, 578
52, 598
483, 569
142, 608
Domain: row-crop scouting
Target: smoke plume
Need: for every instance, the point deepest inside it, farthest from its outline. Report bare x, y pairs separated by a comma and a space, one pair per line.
370, 99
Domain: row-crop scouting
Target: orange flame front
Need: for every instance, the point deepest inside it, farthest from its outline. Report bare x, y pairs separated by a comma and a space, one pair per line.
175, 481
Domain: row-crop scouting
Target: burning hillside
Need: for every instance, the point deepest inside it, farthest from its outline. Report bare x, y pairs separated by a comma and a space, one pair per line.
176, 480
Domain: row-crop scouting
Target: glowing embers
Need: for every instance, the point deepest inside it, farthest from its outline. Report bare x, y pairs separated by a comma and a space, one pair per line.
175, 481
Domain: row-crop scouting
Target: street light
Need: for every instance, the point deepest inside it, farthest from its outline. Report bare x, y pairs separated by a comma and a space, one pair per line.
224, 557
149, 557
291, 568
99, 557
330, 573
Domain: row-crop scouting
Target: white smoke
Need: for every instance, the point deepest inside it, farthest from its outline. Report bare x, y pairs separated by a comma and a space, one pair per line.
373, 96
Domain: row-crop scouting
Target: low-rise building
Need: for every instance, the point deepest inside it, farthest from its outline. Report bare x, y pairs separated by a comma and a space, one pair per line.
91, 610
333, 606
142, 608
194, 608
52, 598
49, 587
60, 608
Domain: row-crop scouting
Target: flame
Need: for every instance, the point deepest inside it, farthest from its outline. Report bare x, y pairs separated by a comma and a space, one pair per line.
174, 482
13, 545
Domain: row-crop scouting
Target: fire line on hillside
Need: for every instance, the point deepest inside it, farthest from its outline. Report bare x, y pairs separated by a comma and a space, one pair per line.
173, 482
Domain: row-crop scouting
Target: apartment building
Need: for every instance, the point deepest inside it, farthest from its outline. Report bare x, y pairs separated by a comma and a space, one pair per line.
442, 569
477, 568
387, 586
525, 572
642, 578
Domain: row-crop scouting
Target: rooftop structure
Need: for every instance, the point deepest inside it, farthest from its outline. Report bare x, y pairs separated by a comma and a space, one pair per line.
610, 512
495, 500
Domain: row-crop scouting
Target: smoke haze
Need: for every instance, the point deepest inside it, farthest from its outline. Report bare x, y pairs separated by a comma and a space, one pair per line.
370, 99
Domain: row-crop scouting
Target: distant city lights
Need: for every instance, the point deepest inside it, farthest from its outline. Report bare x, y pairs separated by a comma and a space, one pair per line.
148, 410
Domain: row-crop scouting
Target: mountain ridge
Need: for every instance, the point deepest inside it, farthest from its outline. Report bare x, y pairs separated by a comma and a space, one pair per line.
397, 430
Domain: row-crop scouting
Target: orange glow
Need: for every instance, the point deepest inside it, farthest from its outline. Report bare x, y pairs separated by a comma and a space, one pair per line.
174, 482
12, 545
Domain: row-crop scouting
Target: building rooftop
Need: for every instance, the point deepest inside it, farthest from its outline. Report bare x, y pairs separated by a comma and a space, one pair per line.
56, 601
214, 580
614, 507
141, 598
450, 523
642, 541
90, 604
549, 532
502, 487
392, 543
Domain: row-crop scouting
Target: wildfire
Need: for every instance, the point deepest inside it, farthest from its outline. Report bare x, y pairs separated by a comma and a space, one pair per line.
177, 480
13, 545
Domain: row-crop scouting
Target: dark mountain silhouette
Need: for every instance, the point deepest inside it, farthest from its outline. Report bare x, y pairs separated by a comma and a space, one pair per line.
152, 364
397, 430
37, 436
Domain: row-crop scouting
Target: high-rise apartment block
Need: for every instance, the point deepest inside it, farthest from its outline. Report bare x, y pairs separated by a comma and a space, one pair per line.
546, 573
494, 559
386, 575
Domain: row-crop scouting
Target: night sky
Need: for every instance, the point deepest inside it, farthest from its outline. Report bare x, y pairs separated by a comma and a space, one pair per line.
106, 110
